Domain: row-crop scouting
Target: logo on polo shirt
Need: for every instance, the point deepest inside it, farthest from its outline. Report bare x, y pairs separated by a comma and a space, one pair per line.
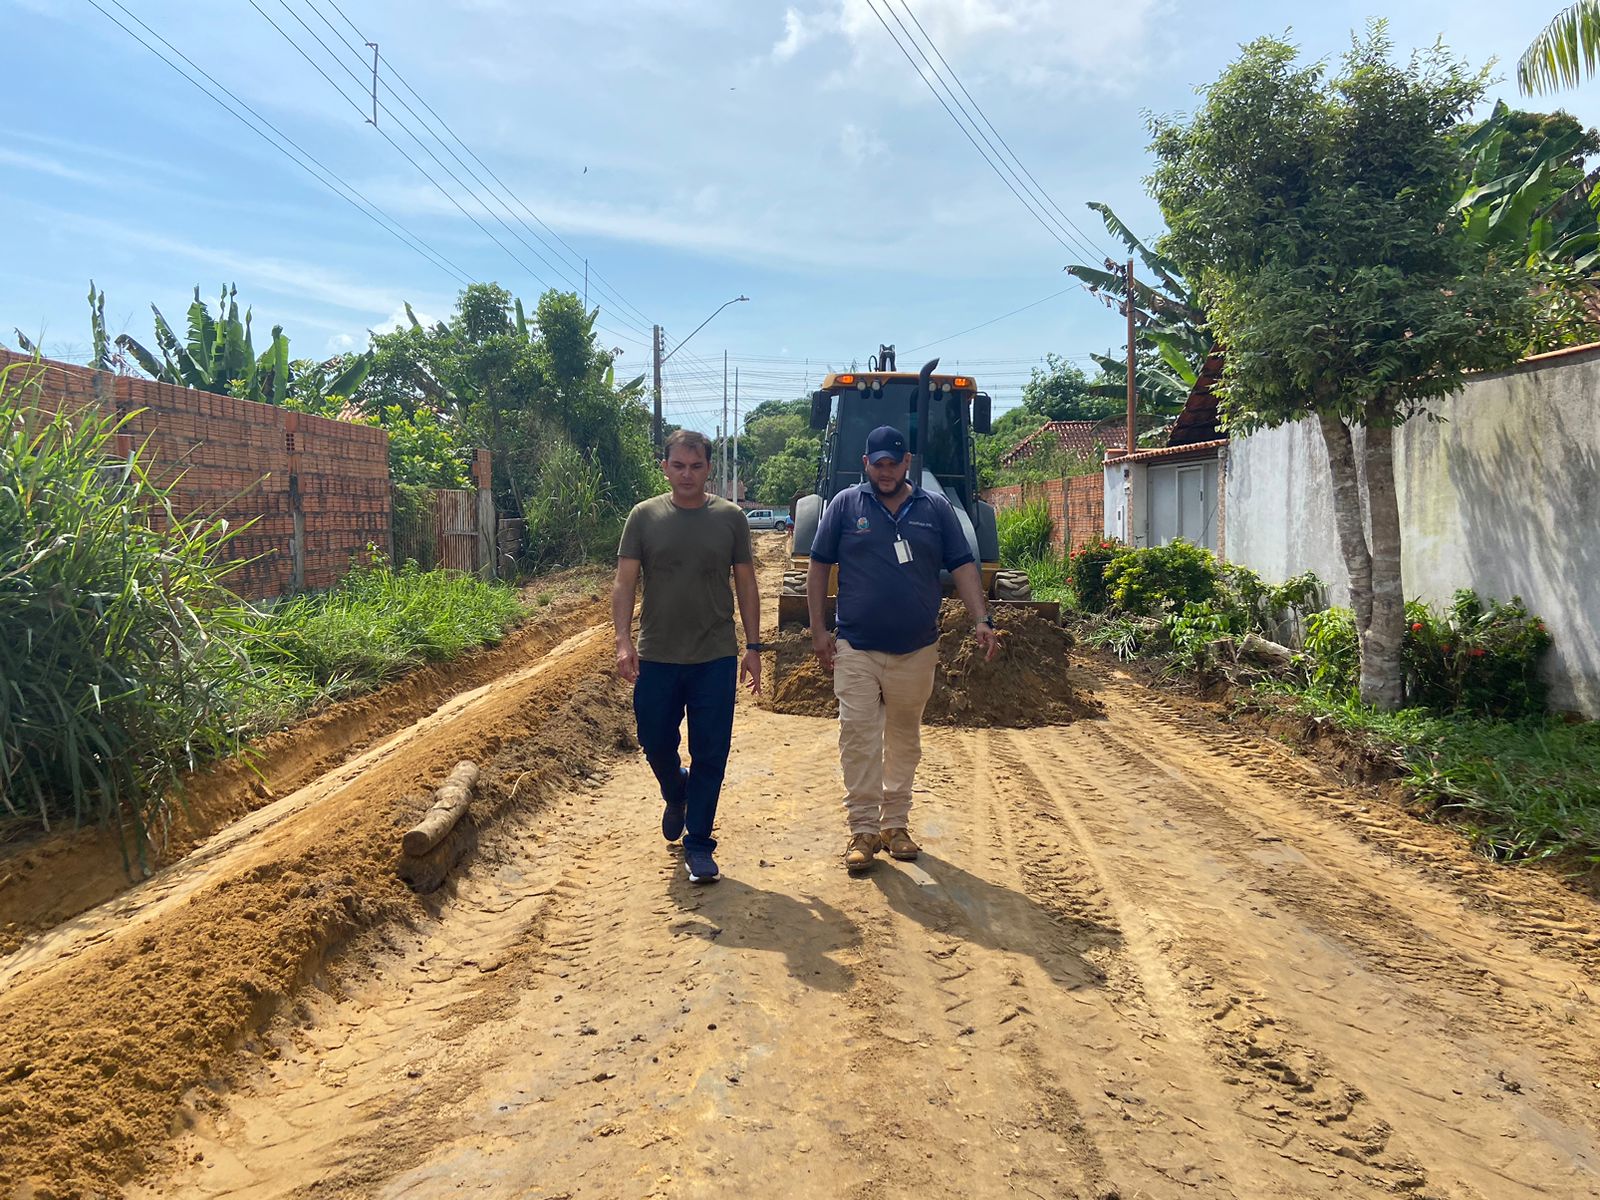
862, 525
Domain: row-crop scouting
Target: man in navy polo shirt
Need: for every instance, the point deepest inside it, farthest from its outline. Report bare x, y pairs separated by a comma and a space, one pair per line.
890, 540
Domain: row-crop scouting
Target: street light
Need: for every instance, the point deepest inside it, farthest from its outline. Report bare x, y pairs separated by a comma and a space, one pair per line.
701, 326
661, 358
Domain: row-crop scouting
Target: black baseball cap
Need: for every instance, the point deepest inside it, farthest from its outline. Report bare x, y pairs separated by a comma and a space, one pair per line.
885, 442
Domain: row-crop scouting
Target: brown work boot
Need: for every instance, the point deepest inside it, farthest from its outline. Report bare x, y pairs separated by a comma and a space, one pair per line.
899, 844
861, 852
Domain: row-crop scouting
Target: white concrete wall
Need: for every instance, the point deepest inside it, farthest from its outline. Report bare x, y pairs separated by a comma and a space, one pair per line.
1502, 496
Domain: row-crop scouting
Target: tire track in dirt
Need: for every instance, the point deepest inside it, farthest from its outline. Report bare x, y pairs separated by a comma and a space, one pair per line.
1251, 877
1132, 962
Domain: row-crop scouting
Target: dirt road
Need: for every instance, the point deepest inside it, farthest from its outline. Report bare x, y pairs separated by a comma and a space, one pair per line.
1141, 957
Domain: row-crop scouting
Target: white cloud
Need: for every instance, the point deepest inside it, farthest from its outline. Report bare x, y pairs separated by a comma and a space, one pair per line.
398, 320
797, 34
860, 145
287, 277
50, 166
1031, 43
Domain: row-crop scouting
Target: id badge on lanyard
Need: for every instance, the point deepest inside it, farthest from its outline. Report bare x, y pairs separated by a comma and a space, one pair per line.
902, 549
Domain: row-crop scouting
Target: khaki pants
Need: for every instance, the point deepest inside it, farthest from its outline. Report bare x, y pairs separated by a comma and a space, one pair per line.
881, 698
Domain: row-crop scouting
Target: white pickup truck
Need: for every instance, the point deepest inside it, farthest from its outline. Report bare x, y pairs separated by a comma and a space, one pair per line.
770, 518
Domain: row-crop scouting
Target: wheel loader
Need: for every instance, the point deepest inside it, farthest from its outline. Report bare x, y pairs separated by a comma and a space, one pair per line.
938, 414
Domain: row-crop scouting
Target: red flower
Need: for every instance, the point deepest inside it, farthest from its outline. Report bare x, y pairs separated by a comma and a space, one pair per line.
1478, 652
1416, 627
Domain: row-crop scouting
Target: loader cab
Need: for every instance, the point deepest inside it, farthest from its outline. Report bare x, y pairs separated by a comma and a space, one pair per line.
851, 405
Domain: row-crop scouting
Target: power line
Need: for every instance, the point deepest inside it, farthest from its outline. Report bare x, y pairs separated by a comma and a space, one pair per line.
1031, 206
403, 153
328, 178
478, 179
1003, 316
1037, 185
606, 285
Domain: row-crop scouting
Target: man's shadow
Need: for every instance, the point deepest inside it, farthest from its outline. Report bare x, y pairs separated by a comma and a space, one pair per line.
961, 905
805, 930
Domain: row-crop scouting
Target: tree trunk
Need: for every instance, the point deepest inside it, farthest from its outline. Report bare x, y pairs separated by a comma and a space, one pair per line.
1382, 682
1347, 510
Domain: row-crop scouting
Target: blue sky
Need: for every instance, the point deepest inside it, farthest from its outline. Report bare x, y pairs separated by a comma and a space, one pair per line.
690, 150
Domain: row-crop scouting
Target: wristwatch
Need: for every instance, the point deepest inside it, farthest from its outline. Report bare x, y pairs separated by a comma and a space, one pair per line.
759, 646
987, 619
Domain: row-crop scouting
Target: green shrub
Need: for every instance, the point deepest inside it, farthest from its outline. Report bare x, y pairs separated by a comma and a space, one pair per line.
116, 642
1024, 533
1267, 607
1047, 576
1481, 657
1161, 578
1191, 632
1086, 572
1335, 653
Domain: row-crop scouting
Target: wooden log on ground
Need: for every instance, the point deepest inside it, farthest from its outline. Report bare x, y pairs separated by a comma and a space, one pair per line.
1264, 651
450, 802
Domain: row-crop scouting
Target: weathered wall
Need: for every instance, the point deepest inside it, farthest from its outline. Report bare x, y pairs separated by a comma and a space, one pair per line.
1502, 496
1076, 507
309, 484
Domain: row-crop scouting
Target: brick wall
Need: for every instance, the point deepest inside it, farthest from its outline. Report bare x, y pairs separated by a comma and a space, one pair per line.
287, 472
1077, 507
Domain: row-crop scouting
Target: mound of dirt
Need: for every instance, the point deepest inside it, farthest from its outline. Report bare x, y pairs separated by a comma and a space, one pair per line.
96, 1051
1027, 683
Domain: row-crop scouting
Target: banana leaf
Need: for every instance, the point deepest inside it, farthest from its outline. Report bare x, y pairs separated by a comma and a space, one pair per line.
148, 363
97, 326
1164, 267
347, 381
181, 368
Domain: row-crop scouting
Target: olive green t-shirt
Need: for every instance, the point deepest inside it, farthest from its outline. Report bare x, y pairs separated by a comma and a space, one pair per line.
687, 555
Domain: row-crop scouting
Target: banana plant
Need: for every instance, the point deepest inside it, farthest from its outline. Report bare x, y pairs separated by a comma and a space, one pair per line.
1169, 322
1543, 210
217, 354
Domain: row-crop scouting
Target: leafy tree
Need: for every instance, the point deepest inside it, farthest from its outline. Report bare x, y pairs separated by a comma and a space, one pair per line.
791, 472
1314, 216
422, 450
778, 451
1062, 391
571, 447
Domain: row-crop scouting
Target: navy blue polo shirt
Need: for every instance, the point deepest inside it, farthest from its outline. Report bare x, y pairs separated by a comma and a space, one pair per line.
884, 604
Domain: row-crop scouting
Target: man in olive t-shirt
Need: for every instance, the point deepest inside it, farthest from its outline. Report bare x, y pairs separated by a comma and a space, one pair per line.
684, 543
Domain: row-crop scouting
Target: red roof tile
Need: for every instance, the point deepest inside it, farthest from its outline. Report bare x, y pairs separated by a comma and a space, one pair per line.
1087, 438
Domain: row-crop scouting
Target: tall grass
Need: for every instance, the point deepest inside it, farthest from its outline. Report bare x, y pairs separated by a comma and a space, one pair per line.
373, 625
1024, 533
117, 636
1526, 789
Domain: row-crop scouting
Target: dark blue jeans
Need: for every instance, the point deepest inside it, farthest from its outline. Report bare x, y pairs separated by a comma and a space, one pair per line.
705, 691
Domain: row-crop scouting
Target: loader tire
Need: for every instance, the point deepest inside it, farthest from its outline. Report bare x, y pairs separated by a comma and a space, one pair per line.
1012, 585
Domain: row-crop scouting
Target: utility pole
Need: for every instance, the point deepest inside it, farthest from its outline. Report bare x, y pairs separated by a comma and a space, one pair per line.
722, 477
655, 355
586, 285
373, 120
1133, 395
733, 493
